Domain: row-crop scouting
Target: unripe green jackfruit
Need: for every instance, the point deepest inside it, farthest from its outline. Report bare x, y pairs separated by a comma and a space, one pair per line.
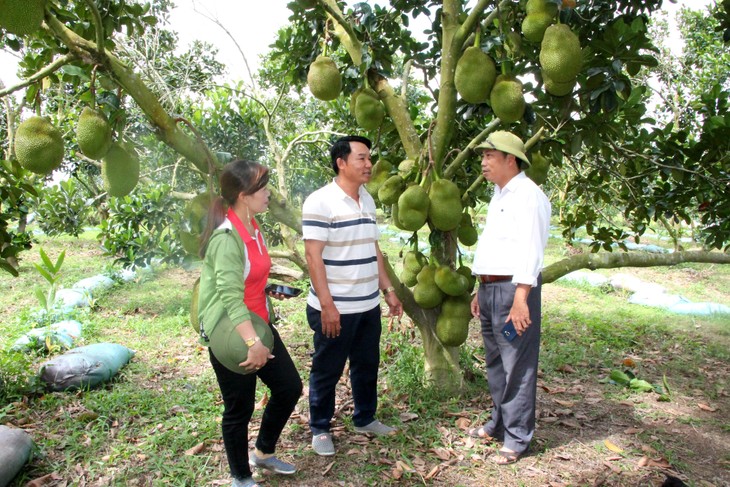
413, 207
475, 75
561, 57
391, 190
558, 88
21, 17
369, 110
324, 79
507, 100
378, 175
120, 170
535, 6
38, 145
467, 234
445, 209
93, 133
534, 26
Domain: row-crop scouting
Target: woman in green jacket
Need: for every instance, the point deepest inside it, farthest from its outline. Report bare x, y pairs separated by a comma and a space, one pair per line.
235, 271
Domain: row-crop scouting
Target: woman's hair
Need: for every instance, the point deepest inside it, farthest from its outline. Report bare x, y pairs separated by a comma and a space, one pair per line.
237, 177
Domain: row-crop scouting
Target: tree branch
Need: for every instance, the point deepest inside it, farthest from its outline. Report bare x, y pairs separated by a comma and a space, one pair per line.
98, 25
39, 75
612, 260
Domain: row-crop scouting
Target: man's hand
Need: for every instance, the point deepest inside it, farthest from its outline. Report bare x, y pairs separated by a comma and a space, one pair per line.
330, 321
395, 307
520, 316
475, 306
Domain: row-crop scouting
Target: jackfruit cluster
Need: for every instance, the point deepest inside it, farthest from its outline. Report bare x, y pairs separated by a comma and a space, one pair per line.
21, 17
367, 108
120, 170
474, 76
506, 99
540, 15
324, 79
560, 59
38, 145
93, 133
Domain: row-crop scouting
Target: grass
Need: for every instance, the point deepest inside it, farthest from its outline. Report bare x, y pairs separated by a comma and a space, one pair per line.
136, 429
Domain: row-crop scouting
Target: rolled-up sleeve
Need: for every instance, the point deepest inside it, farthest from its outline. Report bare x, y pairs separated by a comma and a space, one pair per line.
533, 217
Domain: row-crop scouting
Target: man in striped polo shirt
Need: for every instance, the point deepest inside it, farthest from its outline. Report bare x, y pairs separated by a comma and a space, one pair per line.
343, 307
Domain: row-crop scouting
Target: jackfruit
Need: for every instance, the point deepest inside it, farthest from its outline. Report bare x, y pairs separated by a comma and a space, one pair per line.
445, 209
378, 175
324, 79
391, 190
426, 293
405, 167
452, 325
21, 17
413, 262
475, 75
467, 234
534, 6
120, 170
369, 110
38, 145
93, 133
561, 58
507, 100
513, 44
413, 207
538, 170
190, 242
558, 88
534, 26
465, 271
449, 281
196, 212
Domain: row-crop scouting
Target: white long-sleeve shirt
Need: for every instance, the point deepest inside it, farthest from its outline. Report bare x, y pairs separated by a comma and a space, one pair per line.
515, 235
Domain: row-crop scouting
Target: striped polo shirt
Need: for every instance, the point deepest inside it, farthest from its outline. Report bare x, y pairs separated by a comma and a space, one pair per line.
350, 259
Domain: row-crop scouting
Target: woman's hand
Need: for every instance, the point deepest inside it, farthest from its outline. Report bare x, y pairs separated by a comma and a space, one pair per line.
258, 355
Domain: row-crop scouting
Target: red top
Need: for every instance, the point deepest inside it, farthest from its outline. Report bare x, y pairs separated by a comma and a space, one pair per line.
258, 267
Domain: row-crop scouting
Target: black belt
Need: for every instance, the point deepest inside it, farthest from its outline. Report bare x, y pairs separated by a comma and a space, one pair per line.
487, 279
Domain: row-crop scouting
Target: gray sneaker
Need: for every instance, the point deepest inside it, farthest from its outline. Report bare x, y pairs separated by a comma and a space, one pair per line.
376, 428
271, 463
322, 444
247, 482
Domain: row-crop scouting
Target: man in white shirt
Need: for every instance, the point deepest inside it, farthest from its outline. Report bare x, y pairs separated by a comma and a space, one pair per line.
507, 262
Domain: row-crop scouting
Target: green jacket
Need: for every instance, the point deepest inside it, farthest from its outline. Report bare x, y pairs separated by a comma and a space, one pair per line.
222, 282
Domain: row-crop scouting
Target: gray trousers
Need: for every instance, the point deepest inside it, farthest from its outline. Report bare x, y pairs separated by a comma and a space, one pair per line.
511, 366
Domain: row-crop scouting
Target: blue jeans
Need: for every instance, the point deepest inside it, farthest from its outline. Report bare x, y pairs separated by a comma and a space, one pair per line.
359, 341
239, 394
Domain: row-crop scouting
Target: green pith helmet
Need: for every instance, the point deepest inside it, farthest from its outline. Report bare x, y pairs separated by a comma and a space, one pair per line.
228, 346
505, 142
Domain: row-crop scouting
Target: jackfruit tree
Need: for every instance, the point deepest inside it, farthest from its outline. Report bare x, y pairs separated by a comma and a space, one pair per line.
602, 149
566, 81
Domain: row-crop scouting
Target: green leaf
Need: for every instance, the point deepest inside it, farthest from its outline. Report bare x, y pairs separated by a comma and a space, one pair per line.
46, 261
59, 262
41, 297
641, 385
46, 275
619, 377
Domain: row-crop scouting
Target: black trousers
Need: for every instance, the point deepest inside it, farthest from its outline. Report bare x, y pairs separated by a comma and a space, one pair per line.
239, 395
359, 341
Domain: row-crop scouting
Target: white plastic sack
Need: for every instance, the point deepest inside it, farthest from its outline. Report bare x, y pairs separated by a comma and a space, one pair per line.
94, 283
73, 298
590, 278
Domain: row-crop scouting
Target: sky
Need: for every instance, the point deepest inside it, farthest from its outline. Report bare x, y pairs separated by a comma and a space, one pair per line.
253, 24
